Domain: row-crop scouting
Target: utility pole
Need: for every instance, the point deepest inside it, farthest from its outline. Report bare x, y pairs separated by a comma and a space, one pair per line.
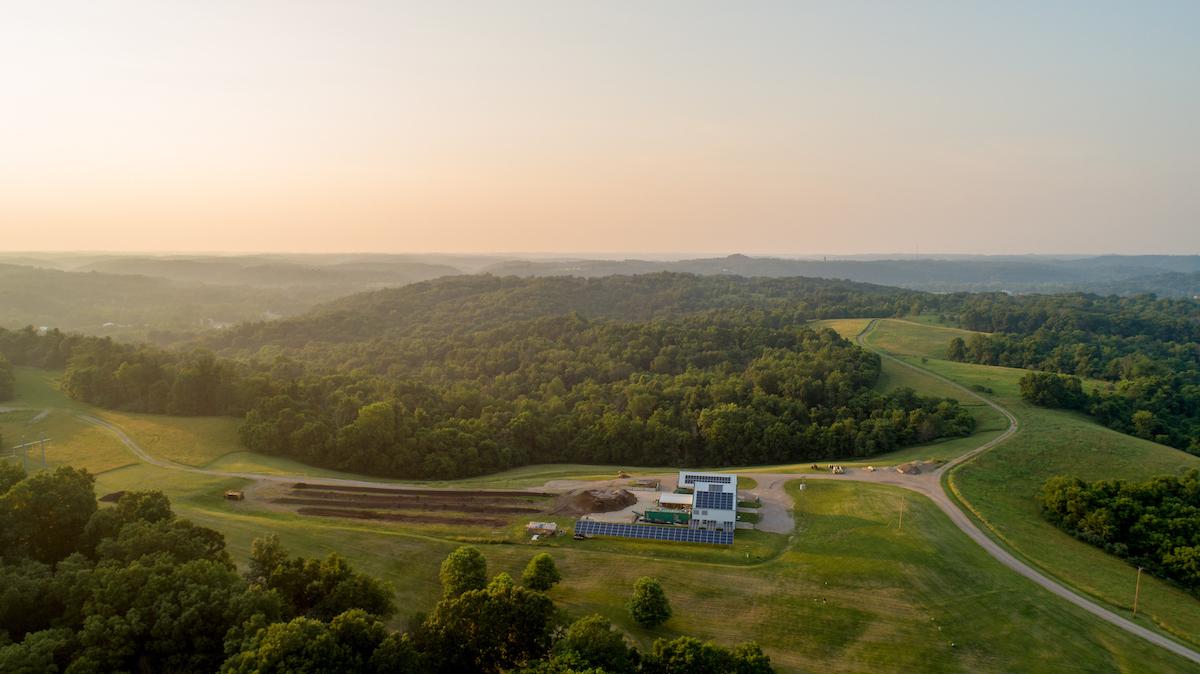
903, 502
1137, 590
43, 451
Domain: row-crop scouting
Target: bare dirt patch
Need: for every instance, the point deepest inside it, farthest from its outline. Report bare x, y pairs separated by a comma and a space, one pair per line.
339, 500
403, 491
588, 501
398, 517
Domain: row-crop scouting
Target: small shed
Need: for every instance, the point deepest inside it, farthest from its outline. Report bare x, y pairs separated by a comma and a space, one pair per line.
542, 528
675, 500
235, 495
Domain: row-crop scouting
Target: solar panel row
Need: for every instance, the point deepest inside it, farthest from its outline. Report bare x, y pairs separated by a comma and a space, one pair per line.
593, 528
719, 479
714, 500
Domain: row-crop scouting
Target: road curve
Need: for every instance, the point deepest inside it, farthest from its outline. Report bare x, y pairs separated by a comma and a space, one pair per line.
935, 490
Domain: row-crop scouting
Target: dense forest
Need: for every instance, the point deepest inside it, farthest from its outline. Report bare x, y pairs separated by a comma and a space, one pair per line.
464, 376
1146, 351
1154, 524
86, 589
7, 382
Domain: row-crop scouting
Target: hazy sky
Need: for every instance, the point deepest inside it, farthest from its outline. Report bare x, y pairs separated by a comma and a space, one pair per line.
756, 127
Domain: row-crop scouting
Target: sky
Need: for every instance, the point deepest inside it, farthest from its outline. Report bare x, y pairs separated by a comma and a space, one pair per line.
782, 128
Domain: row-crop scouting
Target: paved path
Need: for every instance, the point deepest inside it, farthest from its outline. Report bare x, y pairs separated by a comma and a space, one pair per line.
931, 486
779, 519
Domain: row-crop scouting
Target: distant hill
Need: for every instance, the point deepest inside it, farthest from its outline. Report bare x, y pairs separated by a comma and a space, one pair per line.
161, 298
266, 271
467, 303
938, 274
116, 304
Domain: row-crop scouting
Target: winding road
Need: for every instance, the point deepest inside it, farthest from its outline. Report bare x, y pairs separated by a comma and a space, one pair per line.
928, 484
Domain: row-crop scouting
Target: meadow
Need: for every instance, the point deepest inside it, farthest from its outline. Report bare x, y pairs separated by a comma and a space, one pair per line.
1000, 487
848, 591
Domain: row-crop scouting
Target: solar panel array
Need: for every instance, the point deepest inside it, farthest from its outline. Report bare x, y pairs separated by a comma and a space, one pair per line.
648, 532
714, 500
719, 479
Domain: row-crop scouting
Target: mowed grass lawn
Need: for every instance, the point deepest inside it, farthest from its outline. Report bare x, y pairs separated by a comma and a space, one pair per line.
191, 441
1001, 486
988, 422
44, 412
849, 592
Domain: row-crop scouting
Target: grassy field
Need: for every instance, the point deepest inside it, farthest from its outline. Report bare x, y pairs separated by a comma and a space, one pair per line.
192, 441
848, 592
1000, 487
988, 422
44, 412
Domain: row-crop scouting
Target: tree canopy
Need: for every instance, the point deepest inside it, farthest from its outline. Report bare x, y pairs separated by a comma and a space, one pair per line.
649, 605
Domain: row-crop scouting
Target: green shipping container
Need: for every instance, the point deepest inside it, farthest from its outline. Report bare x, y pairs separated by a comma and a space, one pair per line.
667, 517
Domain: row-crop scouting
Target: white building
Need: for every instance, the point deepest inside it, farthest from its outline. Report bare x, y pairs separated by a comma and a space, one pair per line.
714, 499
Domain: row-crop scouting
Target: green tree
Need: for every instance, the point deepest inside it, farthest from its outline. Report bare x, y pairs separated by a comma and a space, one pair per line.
541, 574
7, 381
688, 654
462, 570
266, 555
43, 651
182, 540
10, 474
306, 646
498, 628
325, 588
44, 515
596, 643
144, 506
957, 351
649, 605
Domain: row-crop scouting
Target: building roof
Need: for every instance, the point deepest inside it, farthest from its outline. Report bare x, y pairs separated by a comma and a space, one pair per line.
675, 499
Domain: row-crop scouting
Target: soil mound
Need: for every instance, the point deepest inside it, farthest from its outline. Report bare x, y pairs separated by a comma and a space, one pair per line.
586, 501
915, 467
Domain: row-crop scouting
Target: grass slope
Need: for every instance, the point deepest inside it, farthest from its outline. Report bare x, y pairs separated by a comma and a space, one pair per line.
1000, 487
848, 592
41, 411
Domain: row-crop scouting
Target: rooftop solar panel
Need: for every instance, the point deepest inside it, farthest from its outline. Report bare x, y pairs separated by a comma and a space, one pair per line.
719, 479
646, 532
714, 500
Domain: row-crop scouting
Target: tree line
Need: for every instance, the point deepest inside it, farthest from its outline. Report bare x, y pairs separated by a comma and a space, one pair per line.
1146, 351
728, 376
133, 587
1154, 524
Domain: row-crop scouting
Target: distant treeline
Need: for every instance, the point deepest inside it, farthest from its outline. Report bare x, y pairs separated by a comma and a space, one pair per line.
1154, 524
1147, 349
457, 386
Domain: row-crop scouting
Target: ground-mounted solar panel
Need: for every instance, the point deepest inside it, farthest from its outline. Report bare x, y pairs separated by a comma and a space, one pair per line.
649, 532
714, 500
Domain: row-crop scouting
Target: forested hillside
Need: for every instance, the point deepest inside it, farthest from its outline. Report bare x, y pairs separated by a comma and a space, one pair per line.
1147, 349
167, 298
467, 303
1155, 524
469, 375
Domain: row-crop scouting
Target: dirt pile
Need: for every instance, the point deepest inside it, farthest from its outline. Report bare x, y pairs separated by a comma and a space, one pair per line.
916, 467
586, 501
